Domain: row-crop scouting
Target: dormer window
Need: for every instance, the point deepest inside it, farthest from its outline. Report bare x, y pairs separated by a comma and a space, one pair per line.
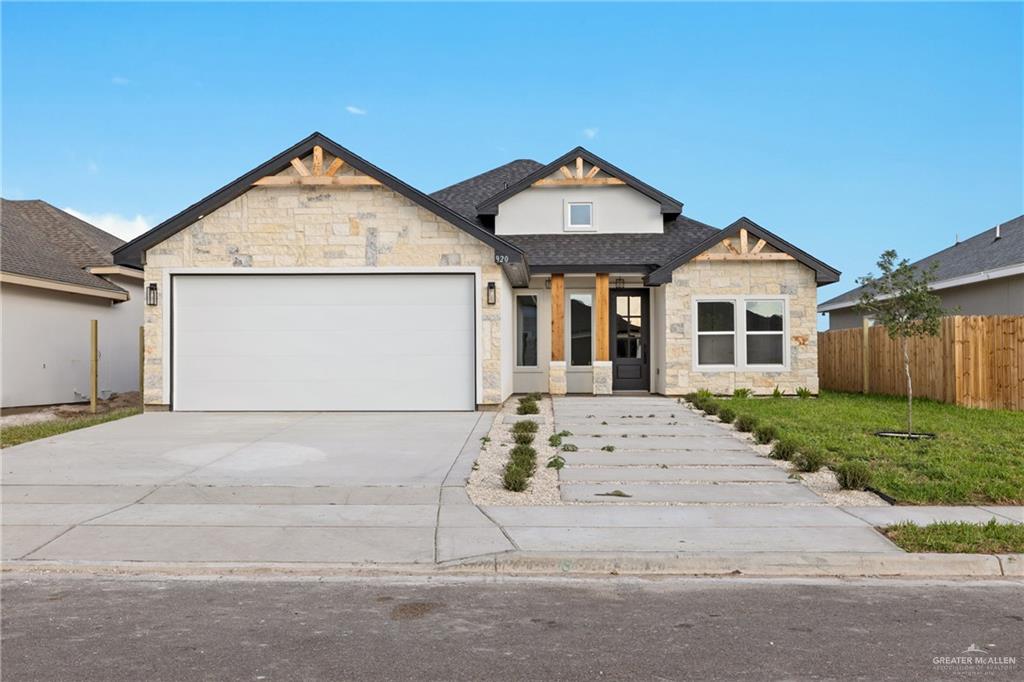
579, 216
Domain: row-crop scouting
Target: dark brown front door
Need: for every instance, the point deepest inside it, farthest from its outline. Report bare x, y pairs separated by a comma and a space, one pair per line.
630, 339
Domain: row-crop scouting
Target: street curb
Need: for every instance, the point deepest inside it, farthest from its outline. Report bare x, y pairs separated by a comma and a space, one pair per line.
751, 564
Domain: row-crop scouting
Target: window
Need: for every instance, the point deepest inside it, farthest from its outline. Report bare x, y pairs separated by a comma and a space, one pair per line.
579, 216
765, 335
716, 333
759, 325
581, 329
526, 331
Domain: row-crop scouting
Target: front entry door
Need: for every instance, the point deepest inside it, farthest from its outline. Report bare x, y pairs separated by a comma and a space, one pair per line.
630, 339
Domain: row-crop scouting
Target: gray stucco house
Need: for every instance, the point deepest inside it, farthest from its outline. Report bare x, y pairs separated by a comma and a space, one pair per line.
983, 275
318, 281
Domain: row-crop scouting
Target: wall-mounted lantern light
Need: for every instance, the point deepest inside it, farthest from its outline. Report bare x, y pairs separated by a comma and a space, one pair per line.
492, 293
620, 283
151, 295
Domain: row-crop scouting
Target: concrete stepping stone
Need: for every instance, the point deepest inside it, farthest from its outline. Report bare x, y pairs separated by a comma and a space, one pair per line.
666, 443
572, 474
638, 430
677, 458
649, 516
923, 516
721, 493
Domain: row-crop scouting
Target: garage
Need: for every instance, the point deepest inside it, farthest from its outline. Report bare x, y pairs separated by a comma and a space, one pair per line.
353, 342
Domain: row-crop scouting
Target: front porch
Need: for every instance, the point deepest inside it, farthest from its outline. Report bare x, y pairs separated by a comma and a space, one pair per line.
587, 333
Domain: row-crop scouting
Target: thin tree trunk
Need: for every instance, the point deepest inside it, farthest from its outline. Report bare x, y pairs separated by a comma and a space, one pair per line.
910, 390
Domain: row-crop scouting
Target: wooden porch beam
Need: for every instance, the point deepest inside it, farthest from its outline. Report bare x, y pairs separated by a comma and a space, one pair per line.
570, 182
334, 167
318, 160
744, 256
566, 172
300, 167
594, 170
743, 240
558, 317
601, 351
758, 246
338, 181
579, 167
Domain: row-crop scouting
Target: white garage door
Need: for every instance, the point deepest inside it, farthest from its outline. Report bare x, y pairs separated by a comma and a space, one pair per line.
324, 342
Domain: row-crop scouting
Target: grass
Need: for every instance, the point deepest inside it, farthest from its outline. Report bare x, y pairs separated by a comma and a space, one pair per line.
16, 435
959, 537
978, 457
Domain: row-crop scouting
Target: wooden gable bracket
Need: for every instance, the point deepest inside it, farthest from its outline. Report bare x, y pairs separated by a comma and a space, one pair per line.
317, 176
743, 252
577, 179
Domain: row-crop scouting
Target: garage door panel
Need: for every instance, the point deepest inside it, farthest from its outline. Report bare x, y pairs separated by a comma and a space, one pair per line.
324, 342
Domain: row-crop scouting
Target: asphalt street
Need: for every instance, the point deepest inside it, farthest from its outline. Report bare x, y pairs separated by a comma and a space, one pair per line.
143, 628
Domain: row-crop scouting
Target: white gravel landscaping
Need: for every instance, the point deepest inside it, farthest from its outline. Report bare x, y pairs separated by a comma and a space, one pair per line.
485, 482
823, 482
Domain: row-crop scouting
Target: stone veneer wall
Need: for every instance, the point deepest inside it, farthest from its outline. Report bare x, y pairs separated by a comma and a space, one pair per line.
718, 278
322, 227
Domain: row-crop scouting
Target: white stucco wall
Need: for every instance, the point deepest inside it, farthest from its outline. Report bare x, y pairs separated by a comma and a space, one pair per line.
45, 344
541, 210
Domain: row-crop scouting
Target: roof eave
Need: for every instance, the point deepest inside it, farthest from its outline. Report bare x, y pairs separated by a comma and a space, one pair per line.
130, 254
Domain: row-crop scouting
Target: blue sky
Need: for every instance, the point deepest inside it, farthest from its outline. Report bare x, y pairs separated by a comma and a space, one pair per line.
845, 128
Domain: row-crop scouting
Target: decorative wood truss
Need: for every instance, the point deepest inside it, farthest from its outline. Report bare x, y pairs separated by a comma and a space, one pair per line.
577, 178
318, 176
744, 252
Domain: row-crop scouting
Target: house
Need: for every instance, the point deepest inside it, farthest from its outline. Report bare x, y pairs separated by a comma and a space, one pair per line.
56, 275
318, 281
983, 275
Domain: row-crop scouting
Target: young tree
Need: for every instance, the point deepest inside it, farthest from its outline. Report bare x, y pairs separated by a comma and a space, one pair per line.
899, 298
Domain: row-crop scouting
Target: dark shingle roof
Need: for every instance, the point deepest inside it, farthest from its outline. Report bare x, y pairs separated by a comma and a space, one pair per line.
639, 252
38, 240
979, 253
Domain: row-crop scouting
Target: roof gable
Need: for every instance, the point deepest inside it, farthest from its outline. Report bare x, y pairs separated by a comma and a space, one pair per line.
131, 253
824, 274
576, 157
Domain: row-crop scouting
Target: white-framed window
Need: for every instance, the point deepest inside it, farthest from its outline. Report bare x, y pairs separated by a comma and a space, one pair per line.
526, 330
579, 216
581, 330
737, 332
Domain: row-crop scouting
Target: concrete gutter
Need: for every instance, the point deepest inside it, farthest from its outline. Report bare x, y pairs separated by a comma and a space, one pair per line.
757, 564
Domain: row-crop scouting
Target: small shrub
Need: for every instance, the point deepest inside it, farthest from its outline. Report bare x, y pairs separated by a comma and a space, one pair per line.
608, 448
765, 434
525, 426
745, 423
564, 434
853, 475
726, 414
556, 462
777, 393
569, 447
804, 392
523, 438
741, 393
809, 461
515, 479
528, 407
484, 441
710, 407
524, 457
783, 449
704, 393
533, 396
554, 440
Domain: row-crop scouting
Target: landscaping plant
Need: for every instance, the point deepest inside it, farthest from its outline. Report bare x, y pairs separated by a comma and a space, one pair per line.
525, 426
742, 393
527, 407
808, 461
900, 300
556, 462
765, 434
803, 392
569, 447
853, 475
523, 438
777, 393
514, 478
745, 423
726, 414
783, 449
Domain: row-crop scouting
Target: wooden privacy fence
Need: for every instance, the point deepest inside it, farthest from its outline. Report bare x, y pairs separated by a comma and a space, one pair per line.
975, 361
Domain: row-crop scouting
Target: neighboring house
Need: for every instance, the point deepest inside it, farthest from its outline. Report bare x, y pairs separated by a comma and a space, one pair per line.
983, 275
57, 274
318, 281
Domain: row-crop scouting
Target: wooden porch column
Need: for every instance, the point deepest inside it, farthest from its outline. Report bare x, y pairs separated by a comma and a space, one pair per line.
558, 317
601, 350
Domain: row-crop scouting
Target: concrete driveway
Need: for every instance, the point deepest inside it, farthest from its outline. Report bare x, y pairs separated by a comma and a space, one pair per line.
331, 487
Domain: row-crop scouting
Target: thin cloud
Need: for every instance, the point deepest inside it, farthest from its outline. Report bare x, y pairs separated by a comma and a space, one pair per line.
92, 167
590, 133
120, 80
355, 110
114, 223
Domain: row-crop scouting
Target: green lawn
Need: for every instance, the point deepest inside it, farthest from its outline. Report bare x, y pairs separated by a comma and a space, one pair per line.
16, 435
978, 457
969, 538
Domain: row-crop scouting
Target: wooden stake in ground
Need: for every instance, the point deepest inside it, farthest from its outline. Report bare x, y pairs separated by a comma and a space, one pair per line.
94, 364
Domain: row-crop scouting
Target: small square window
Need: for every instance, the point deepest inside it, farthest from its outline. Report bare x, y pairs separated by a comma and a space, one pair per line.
580, 216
